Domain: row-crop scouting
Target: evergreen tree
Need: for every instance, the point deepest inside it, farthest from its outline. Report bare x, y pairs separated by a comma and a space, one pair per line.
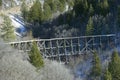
69, 16
105, 4
49, 2
35, 57
93, 2
104, 7
81, 7
24, 10
35, 13
97, 7
85, 7
47, 12
78, 7
53, 7
89, 27
107, 75
63, 2
70, 3
96, 69
61, 5
7, 30
56, 5
114, 66
91, 10
52, 4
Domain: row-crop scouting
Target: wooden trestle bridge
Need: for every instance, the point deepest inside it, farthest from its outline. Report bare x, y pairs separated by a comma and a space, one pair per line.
62, 48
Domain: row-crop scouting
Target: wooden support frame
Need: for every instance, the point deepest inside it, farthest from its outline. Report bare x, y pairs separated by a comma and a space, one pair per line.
57, 48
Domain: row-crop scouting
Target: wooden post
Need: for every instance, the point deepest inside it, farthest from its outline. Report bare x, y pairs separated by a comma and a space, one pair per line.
51, 50
71, 47
58, 51
79, 46
65, 52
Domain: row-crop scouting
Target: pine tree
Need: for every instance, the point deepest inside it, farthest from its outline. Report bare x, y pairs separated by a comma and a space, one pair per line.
56, 5
107, 75
114, 66
24, 10
47, 12
81, 7
93, 2
105, 4
35, 57
53, 7
97, 7
48, 1
61, 5
96, 69
78, 7
7, 30
70, 3
85, 7
89, 27
35, 13
105, 7
52, 4
91, 10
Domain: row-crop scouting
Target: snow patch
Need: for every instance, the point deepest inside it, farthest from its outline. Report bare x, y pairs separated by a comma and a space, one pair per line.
20, 29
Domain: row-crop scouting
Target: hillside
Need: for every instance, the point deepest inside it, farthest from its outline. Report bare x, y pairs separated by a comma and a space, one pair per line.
17, 66
72, 17
46, 19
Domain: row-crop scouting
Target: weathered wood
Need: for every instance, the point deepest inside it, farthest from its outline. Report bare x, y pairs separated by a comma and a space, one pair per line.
57, 48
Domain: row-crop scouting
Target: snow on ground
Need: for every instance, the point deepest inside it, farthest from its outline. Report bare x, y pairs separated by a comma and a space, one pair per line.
20, 29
